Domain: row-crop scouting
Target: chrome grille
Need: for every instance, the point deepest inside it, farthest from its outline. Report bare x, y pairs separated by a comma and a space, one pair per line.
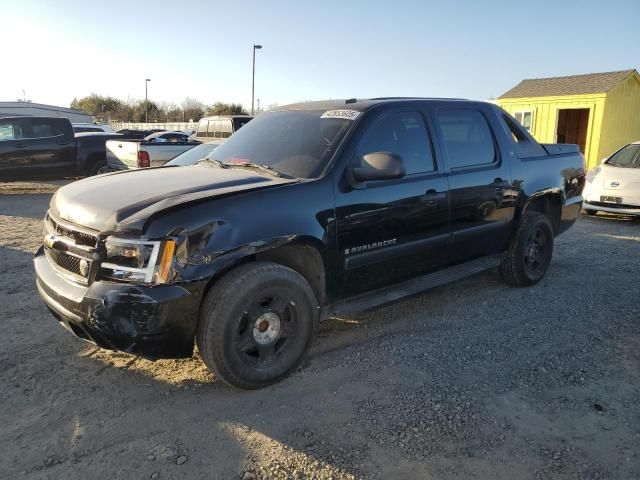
79, 237
66, 262
72, 250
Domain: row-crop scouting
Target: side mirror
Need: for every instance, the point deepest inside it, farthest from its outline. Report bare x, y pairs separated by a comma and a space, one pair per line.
379, 166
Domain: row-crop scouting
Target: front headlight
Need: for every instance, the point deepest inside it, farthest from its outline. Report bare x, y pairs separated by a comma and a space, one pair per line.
138, 260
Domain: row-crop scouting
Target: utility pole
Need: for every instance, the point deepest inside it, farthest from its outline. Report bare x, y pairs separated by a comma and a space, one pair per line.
253, 78
146, 103
258, 104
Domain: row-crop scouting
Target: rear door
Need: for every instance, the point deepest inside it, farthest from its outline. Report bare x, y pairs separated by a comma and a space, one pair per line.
52, 146
479, 181
393, 230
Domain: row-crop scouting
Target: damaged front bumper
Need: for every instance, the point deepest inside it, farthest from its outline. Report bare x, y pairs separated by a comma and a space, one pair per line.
150, 321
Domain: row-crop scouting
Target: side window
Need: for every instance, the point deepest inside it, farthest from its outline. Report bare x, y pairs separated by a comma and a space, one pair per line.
402, 133
10, 130
43, 128
202, 128
225, 128
467, 138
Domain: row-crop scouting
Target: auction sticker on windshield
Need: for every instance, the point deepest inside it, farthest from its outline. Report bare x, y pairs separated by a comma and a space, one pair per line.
345, 114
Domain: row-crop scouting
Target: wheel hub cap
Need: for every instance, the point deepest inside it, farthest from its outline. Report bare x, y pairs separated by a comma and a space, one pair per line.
266, 328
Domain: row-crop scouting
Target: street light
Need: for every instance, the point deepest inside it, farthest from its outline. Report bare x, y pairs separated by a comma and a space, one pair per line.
253, 78
146, 103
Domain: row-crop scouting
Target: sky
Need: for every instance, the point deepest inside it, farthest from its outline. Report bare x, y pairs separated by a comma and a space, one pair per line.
58, 50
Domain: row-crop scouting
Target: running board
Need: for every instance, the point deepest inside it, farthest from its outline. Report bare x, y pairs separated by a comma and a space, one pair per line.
383, 296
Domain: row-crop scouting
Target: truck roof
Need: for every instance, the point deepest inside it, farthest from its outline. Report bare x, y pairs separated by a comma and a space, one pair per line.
30, 117
358, 104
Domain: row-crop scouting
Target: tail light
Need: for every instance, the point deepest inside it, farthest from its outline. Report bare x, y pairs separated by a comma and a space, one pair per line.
143, 159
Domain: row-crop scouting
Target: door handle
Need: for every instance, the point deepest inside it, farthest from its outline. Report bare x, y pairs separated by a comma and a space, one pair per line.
432, 198
21, 145
499, 183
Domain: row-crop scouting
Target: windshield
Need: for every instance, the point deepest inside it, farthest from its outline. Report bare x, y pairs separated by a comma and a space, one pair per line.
296, 143
629, 156
193, 155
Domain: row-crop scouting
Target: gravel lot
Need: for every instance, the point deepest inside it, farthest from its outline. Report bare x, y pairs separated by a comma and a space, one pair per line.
472, 380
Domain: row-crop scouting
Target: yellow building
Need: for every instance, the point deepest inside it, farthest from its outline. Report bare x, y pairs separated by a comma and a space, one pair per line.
598, 111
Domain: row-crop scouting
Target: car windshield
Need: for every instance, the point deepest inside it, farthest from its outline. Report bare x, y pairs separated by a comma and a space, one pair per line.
296, 143
193, 155
629, 156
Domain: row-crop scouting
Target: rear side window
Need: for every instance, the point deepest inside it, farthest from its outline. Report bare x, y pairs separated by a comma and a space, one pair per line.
240, 122
402, 133
467, 138
44, 128
10, 130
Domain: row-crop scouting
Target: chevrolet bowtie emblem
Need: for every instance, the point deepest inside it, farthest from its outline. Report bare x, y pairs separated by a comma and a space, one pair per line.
49, 240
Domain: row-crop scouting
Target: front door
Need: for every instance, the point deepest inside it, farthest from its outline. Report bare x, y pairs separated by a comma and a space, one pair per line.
15, 156
392, 230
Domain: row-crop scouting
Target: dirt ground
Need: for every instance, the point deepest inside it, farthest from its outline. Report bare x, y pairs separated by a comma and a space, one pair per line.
472, 380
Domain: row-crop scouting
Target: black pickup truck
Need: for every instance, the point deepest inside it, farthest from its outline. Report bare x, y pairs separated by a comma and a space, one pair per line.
316, 209
46, 148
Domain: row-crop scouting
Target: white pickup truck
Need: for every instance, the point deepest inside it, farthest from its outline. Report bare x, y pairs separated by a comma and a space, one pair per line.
152, 151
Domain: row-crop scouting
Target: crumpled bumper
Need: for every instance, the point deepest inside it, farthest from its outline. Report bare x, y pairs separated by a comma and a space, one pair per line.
153, 322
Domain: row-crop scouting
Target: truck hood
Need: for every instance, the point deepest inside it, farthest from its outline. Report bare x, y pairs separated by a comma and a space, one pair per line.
125, 201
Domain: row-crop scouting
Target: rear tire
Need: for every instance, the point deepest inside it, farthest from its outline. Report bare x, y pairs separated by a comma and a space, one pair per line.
95, 169
256, 324
530, 251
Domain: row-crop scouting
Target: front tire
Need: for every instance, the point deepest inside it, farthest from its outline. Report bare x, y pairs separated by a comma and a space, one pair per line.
591, 213
530, 251
256, 324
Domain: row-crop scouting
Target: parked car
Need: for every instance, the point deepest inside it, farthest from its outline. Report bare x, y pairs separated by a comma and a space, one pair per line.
152, 151
167, 137
614, 185
135, 133
46, 148
316, 209
220, 127
91, 127
193, 156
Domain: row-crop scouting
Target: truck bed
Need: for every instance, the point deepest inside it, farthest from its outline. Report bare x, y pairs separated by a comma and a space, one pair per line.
123, 155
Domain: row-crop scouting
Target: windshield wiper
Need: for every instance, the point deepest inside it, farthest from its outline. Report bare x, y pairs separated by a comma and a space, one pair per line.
212, 161
263, 168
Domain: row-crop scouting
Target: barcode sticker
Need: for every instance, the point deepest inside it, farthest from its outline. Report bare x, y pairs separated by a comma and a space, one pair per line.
345, 114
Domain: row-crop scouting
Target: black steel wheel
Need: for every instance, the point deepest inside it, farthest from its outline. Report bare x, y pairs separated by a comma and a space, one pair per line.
530, 251
256, 324
537, 254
